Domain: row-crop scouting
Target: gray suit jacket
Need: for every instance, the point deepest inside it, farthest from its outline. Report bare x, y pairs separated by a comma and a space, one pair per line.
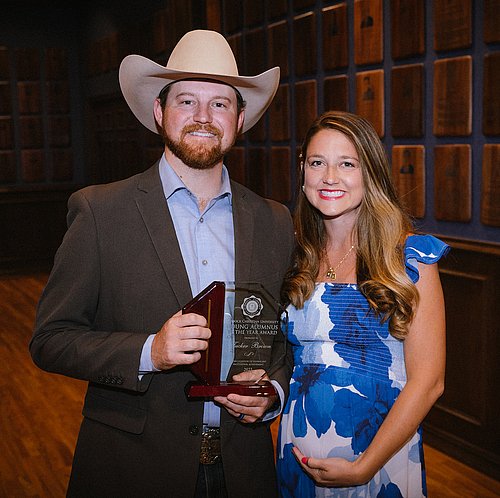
117, 277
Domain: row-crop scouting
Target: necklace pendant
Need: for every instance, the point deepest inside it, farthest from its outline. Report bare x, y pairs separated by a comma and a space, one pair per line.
331, 274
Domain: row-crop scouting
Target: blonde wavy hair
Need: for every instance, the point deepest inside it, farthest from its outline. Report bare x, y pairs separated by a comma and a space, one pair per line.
380, 233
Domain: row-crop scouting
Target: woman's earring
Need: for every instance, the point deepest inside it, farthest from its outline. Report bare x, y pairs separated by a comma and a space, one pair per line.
303, 188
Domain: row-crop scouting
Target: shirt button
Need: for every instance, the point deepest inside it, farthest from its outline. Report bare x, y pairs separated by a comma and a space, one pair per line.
204, 262
201, 220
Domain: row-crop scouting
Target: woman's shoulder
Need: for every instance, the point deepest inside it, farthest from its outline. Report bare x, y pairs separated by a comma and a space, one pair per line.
422, 248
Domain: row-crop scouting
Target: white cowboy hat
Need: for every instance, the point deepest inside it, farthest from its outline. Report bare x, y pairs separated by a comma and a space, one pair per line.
198, 54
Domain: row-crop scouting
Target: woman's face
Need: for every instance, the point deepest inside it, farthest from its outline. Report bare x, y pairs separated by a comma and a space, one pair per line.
333, 181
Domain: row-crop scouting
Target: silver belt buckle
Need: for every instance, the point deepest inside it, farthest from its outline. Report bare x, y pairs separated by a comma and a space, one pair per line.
210, 446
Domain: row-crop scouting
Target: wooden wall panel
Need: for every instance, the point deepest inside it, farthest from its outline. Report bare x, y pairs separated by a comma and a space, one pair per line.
233, 15
280, 188
407, 28
464, 421
302, 4
490, 187
56, 63
491, 21
453, 96
408, 174
257, 133
336, 93
306, 103
452, 183
8, 172
277, 8
304, 44
36, 223
257, 170
235, 162
4, 63
31, 132
253, 12
452, 24
370, 98
58, 97
491, 97
279, 115
27, 63
59, 131
28, 94
335, 37
5, 98
278, 47
6, 133
32, 166
368, 31
255, 50
62, 165
407, 99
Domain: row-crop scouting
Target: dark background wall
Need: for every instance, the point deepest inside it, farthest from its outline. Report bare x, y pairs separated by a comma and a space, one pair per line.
425, 73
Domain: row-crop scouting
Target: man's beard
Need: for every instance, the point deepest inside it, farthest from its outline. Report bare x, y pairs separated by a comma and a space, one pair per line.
198, 156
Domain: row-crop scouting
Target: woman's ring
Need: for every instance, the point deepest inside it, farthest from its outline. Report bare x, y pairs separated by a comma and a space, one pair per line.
241, 416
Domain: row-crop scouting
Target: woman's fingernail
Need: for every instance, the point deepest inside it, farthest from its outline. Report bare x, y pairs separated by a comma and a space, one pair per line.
305, 460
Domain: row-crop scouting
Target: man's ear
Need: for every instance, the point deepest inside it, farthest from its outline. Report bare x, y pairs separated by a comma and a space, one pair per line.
158, 113
241, 120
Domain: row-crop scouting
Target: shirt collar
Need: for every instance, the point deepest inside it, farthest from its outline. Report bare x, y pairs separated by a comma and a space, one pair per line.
172, 183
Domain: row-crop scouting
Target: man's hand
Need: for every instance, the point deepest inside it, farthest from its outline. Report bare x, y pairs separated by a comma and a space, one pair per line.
179, 341
248, 409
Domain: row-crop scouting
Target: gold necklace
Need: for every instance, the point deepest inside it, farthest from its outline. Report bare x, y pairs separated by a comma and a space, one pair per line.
331, 271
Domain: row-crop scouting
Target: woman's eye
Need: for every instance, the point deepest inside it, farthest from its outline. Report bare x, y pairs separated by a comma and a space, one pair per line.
315, 164
348, 165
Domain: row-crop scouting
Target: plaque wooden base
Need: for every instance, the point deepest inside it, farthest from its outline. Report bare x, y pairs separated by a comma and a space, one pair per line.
199, 390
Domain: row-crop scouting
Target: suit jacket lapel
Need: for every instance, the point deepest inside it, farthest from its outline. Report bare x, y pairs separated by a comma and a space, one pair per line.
152, 205
244, 225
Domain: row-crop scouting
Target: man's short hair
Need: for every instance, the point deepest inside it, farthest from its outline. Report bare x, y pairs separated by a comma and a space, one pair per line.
162, 96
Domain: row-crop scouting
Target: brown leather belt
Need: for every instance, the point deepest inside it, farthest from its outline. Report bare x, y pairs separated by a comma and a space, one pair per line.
210, 446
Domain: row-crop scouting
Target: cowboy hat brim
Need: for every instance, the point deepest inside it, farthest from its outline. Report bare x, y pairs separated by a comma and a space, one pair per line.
141, 80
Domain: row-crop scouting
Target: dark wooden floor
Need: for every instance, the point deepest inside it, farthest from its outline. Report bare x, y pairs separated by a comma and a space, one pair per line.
41, 413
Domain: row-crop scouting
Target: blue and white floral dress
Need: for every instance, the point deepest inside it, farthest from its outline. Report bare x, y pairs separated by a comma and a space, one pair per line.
348, 372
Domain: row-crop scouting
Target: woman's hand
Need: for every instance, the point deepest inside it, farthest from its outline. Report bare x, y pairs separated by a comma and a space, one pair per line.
331, 472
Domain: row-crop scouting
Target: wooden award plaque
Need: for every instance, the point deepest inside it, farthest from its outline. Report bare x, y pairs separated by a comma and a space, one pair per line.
32, 166
278, 46
335, 37
4, 63
453, 96
6, 133
490, 193
491, 97
491, 19
281, 189
407, 28
407, 90
452, 182
306, 103
336, 94
370, 98
408, 174
279, 126
7, 167
368, 31
28, 93
304, 45
452, 24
